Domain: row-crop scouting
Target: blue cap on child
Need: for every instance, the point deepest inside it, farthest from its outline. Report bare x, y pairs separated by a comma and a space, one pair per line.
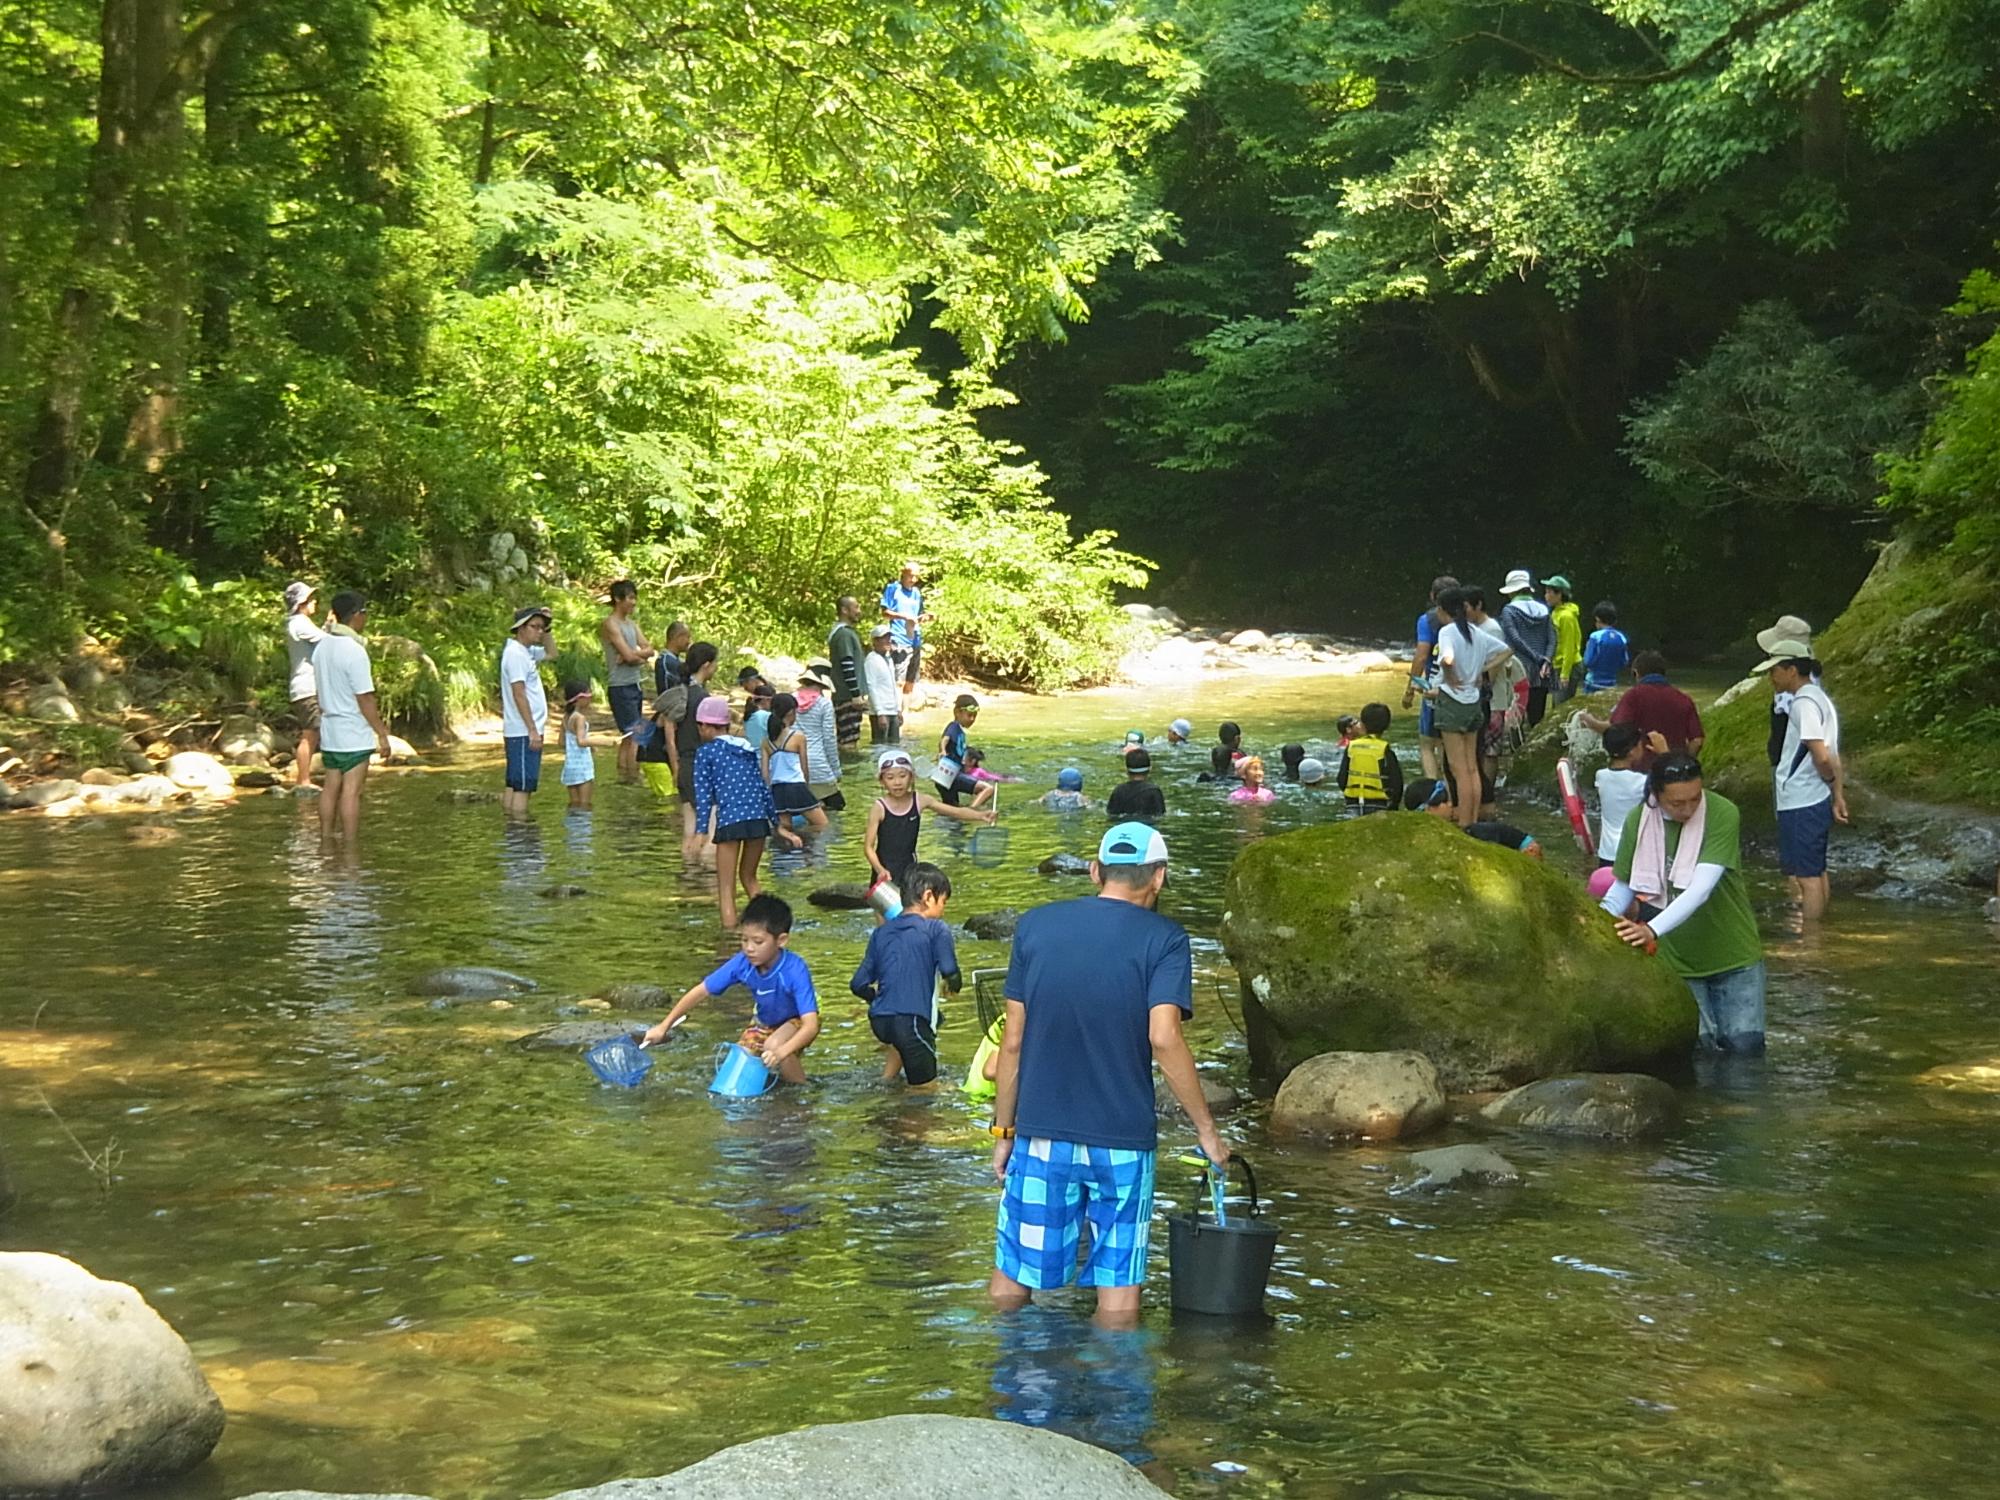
1069, 779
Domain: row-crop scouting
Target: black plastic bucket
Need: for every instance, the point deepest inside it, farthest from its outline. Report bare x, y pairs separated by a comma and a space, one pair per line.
1221, 1269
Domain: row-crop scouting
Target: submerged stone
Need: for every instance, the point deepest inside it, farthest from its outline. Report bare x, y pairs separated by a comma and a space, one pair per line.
1457, 1167
994, 926
466, 982
1064, 864
574, 1036
1614, 1106
1220, 1097
1399, 932
847, 896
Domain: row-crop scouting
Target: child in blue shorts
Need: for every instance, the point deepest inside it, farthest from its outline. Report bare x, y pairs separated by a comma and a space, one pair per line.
786, 1016
899, 974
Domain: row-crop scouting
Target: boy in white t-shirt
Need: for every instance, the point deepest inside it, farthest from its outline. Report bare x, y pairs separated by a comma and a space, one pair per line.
1808, 787
1620, 788
524, 706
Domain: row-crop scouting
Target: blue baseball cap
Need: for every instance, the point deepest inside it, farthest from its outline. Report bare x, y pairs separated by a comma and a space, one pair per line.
1069, 779
1132, 844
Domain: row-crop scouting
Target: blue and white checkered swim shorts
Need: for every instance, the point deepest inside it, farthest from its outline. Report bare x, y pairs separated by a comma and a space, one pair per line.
1053, 1189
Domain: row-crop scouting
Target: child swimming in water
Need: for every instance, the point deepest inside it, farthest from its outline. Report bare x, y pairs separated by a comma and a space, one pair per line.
1068, 794
1253, 789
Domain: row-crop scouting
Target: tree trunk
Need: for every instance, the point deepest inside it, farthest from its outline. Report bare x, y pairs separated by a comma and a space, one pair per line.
160, 238
55, 444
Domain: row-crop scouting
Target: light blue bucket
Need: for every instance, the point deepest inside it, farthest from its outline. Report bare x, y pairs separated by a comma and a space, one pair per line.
740, 1073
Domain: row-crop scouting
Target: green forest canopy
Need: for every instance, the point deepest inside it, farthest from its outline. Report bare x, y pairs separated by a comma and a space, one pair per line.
749, 300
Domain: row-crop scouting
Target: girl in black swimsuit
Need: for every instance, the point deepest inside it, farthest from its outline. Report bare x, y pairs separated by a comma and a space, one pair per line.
897, 817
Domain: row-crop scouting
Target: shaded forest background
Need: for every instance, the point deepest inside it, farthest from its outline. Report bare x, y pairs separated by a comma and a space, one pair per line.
458, 300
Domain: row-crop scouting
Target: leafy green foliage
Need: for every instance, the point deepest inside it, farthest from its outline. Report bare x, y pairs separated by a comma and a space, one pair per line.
432, 297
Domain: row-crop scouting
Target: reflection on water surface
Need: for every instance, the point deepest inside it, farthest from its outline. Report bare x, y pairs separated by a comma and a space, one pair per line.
413, 1257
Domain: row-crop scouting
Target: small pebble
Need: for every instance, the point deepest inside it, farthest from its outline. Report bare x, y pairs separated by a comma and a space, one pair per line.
499, 1004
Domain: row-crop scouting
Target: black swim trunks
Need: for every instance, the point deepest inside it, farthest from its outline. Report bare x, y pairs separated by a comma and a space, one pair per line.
914, 1039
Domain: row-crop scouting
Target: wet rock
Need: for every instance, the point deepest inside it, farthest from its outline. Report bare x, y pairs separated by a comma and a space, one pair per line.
96, 1391
199, 772
1979, 1076
637, 997
151, 835
467, 982
1220, 1096
242, 741
1249, 640
897, 1458
1378, 934
151, 790
1615, 1106
42, 794
561, 892
466, 796
1383, 1096
100, 776
51, 700
255, 778
994, 926
575, 1036
1064, 864
1457, 1167
847, 896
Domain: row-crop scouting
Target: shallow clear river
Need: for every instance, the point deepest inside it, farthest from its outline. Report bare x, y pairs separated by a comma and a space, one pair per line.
412, 1257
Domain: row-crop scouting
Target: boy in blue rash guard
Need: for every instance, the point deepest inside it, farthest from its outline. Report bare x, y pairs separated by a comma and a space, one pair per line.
1607, 653
786, 1017
898, 977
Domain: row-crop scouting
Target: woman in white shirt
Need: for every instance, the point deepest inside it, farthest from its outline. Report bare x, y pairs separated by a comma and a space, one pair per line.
1462, 654
301, 636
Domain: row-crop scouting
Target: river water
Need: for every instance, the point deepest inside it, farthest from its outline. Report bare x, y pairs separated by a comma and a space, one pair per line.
412, 1257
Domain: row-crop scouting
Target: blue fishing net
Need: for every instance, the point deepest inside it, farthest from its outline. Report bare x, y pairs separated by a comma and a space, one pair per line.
619, 1061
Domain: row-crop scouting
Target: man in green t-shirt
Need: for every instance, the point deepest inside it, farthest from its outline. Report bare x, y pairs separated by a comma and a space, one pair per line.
1698, 912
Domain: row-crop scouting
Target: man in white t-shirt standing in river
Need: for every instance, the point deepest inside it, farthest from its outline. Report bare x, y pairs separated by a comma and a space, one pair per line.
524, 706
1808, 786
350, 725
301, 636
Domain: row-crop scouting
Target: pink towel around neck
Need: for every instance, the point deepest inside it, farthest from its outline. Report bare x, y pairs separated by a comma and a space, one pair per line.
1650, 875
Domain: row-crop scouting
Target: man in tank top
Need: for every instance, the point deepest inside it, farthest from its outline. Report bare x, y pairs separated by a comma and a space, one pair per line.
626, 651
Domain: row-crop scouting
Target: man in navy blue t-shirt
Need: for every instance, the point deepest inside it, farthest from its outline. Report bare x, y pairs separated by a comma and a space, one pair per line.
1096, 991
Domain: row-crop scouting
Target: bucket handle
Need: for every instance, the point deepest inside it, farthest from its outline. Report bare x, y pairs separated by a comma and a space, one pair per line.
1236, 1158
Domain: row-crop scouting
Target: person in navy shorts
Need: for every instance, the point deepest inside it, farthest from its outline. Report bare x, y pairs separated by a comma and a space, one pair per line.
1096, 992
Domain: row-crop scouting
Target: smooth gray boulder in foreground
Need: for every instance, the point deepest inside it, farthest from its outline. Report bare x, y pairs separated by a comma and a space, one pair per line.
97, 1392
1613, 1106
892, 1458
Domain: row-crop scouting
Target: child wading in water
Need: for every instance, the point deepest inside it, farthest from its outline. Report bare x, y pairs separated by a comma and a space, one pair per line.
783, 756
786, 1017
897, 816
728, 783
899, 974
1253, 789
579, 772
949, 774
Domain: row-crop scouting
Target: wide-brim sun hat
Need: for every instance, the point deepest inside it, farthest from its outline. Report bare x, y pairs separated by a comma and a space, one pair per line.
712, 710
819, 674
1132, 844
297, 592
1788, 628
1311, 771
1782, 651
1518, 582
528, 612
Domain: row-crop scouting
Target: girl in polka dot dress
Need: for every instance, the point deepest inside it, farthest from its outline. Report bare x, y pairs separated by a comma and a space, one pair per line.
729, 783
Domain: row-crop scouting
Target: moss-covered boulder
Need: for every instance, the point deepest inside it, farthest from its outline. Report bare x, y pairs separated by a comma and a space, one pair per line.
1400, 933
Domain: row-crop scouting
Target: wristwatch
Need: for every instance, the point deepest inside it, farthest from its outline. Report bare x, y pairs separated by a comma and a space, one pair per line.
1001, 1132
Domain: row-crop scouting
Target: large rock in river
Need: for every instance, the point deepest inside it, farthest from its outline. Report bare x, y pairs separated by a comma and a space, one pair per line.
1379, 1095
1400, 933
96, 1391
